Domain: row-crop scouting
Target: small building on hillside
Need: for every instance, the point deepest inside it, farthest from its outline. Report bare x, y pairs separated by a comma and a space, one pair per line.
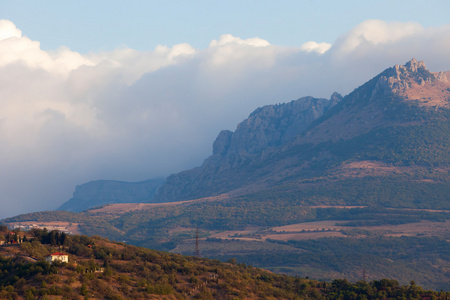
57, 256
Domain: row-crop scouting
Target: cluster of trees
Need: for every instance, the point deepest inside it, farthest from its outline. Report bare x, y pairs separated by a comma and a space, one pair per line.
378, 289
54, 237
404, 258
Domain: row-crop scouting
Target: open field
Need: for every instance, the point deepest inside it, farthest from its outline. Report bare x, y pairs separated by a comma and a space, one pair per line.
423, 228
333, 228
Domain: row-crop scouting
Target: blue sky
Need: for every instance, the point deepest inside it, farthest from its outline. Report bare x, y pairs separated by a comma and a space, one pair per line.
85, 26
106, 90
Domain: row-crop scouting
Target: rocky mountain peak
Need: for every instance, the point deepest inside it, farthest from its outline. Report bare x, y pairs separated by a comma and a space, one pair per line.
402, 78
413, 65
222, 142
442, 76
335, 98
272, 126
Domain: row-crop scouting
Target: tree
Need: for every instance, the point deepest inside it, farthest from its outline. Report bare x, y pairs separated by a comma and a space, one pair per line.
63, 238
84, 290
53, 238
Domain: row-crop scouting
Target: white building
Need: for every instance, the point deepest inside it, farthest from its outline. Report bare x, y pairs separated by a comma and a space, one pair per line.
57, 256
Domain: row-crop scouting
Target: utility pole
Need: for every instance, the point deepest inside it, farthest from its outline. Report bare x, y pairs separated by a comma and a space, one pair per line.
197, 249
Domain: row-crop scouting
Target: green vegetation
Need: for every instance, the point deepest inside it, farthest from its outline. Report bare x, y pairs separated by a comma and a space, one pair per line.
422, 259
425, 144
151, 228
426, 260
402, 191
102, 269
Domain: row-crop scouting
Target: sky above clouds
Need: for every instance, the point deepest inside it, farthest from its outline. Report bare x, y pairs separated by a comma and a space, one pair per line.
106, 90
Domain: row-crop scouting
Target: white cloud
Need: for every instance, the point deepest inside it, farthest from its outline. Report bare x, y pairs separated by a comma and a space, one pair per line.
17, 49
376, 32
66, 118
226, 39
9, 30
312, 46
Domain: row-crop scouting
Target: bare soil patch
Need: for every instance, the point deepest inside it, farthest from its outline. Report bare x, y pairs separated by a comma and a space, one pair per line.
435, 94
321, 229
121, 208
338, 206
423, 228
238, 234
304, 235
308, 226
370, 168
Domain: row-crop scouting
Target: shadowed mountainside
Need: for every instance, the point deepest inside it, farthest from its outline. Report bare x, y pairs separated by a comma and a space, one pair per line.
389, 122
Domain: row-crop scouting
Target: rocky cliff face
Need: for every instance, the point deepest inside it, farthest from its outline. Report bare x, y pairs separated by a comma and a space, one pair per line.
101, 192
272, 126
266, 129
401, 78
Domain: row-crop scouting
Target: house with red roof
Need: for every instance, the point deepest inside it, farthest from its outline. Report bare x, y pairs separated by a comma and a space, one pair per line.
57, 256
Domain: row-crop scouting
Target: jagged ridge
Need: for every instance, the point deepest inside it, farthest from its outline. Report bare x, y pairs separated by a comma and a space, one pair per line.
266, 129
378, 121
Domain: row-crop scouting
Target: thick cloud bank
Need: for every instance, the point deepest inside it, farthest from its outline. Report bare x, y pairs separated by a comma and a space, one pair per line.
67, 118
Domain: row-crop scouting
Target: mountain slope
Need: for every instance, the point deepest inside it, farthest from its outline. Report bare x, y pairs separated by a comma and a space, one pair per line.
267, 128
394, 127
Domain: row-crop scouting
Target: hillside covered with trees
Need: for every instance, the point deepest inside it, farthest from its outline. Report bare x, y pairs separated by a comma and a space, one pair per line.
101, 269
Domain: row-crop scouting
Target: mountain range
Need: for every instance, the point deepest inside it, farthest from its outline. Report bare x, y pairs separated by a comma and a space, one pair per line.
394, 126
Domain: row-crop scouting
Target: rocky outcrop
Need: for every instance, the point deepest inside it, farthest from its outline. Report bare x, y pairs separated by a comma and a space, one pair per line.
442, 76
273, 125
101, 192
267, 128
400, 78
222, 143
